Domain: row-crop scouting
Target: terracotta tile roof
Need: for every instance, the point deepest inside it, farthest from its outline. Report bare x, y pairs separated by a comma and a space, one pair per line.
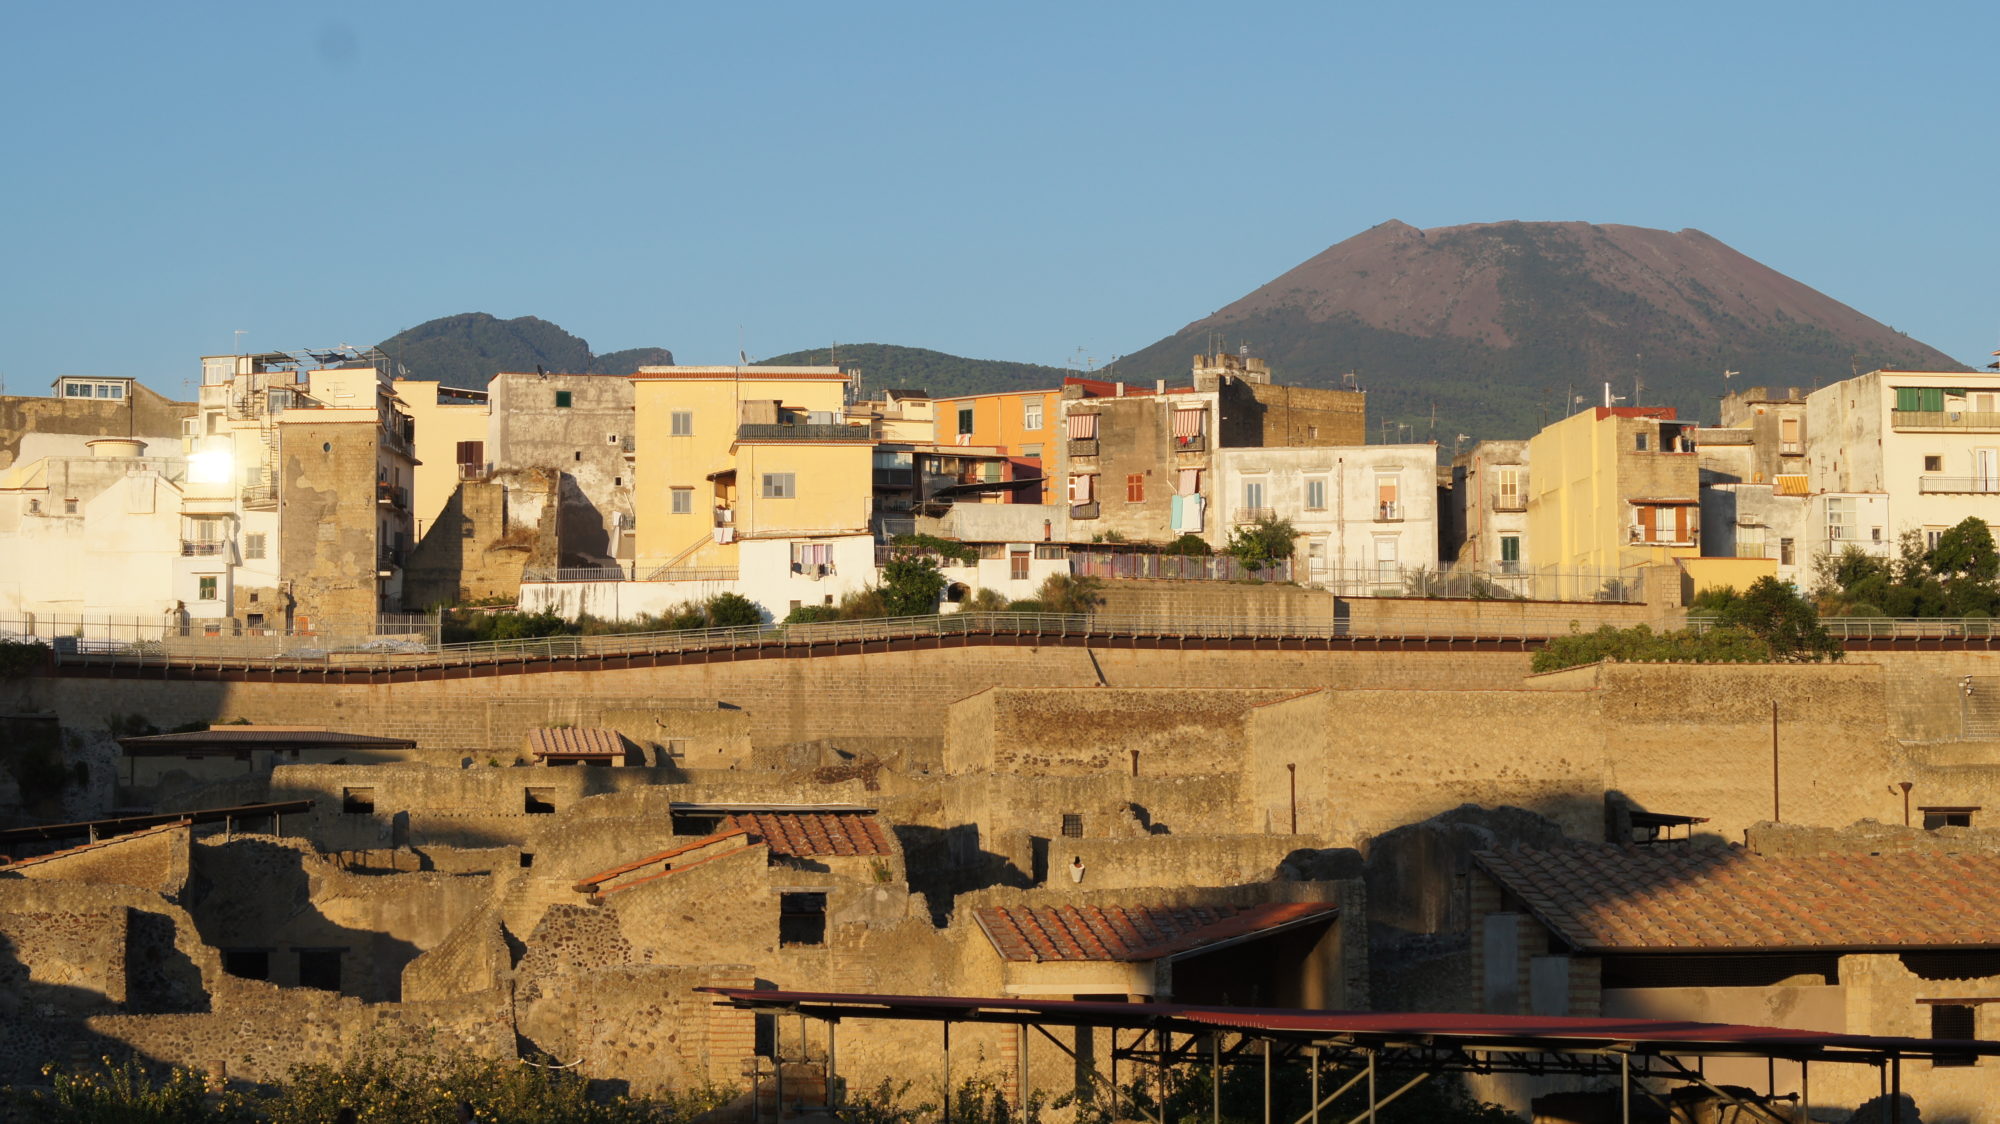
1070, 932
1605, 898
804, 834
575, 741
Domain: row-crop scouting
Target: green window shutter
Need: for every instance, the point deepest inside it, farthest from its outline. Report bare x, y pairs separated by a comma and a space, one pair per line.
1932, 398
1907, 398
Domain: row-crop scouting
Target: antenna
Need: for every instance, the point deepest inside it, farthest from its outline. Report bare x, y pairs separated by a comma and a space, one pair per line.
240, 333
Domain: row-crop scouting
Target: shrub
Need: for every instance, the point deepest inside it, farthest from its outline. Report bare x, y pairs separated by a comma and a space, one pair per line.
1070, 593
910, 586
812, 614
984, 600
1189, 544
21, 657
1263, 543
732, 610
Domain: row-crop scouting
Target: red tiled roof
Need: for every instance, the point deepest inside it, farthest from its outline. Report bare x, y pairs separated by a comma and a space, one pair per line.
575, 741
1069, 932
1605, 898
804, 834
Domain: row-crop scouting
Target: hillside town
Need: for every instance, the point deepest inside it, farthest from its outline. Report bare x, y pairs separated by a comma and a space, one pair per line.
764, 730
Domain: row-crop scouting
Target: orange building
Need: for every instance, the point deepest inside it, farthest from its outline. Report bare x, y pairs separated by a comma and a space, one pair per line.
1023, 423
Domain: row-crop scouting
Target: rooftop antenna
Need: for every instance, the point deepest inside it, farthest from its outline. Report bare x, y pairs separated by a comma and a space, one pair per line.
1456, 442
1638, 385
1352, 381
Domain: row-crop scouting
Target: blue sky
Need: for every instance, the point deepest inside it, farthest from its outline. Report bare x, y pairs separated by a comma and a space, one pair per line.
1013, 181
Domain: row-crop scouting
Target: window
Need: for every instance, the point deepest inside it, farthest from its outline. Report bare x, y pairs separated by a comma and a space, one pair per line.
1017, 565
802, 919
1387, 568
320, 968
1933, 464
538, 801
1954, 1022
1931, 536
965, 419
207, 589
1253, 494
247, 963
1640, 444
1315, 493
1072, 825
1839, 517
253, 546
1051, 551
611, 439
1135, 488
69, 507
682, 500
527, 860
562, 399
1935, 818
780, 486
357, 801
813, 559
1920, 399
1388, 497
34, 507
682, 423
1786, 555
1510, 553
1082, 488
1508, 488
1031, 413
465, 529
469, 456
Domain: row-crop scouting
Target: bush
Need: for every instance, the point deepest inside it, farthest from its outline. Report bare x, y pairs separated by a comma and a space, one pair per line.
1641, 644
22, 657
1189, 544
985, 600
1070, 593
732, 610
812, 614
1263, 543
949, 550
910, 586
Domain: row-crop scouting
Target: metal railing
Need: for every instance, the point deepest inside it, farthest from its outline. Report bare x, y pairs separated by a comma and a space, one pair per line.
692, 574
1944, 419
1980, 485
807, 432
1505, 584
1510, 503
203, 548
403, 653
623, 573
1122, 566
1889, 628
1083, 446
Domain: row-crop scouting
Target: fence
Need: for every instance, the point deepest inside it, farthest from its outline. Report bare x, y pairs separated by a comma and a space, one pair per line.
1481, 585
74, 635
1174, 567
623, 573
1893, 628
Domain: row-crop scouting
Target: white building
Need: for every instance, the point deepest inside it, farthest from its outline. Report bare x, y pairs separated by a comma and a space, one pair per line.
1926, 442
1366, 514
92, 545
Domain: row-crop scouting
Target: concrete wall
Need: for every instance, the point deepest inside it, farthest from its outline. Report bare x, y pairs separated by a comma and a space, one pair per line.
328, 542
1100, 731
584, 440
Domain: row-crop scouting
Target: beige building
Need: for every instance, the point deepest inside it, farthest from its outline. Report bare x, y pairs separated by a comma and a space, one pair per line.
1615, 489
452, 426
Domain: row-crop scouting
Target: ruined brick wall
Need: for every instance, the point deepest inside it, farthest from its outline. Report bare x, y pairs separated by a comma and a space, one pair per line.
465, 555
328, 532
1096, 731
1263, 415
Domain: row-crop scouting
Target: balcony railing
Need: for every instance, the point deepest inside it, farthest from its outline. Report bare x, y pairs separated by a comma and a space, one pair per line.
203, 548
1195, 444
1510, 503
1254, 515
762, 432
1083, 510
387, 559
475, 471
1978, 485
1389, 511
392, 495
1083, 447
260, 497
1944, 419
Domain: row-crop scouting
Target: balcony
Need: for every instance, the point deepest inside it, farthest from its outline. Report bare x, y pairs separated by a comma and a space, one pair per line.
1198, 443
761, 432
1971, 485
475, 471
1083, 447
260, 497
1255, 515
1510, 503
1791, 448
203, 548
387, 559
1959, 420
391, 495
1083, 510
1389, 511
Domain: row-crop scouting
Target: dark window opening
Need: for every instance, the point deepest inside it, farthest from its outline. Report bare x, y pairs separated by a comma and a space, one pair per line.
357, 801
538, 801
766, 1044
801, 919
247, 963
697, 823
562, 399
1952, 963
527, 859
1745, 970
1935, 818
320, 968
1953, 1021
965, 420
1072, 825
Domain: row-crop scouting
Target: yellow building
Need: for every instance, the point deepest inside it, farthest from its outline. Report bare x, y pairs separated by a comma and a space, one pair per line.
1024, 424
451, 442
1614, 489
728, 453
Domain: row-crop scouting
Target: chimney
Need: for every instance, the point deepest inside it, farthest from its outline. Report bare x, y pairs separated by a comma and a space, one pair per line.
1121, 388
1159, 386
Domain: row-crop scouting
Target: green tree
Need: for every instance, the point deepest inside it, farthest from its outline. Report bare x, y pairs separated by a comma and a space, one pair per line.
1965, 552
1775, 613
1189, 544
732, 610
1263, 543
1070, 593
911, 585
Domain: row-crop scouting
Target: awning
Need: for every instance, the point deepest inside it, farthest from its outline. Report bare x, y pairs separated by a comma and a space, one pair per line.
1082, 427
1187, 423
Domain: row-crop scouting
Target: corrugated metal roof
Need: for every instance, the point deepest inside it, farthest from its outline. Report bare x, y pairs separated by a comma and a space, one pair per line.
1605, 898
234, 738
575, 741
1072, 932
1397, 1029
809, 834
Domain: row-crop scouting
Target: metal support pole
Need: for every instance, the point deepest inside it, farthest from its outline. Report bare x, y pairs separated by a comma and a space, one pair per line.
1774, 762
1267, 1081
1625, 1089
1114, 1074
1215, 1078
832, 1064
1160, 1044
1805, 1089
1314, 1055
1371, 1087
1021, 1067
1896, 1089
947, 1071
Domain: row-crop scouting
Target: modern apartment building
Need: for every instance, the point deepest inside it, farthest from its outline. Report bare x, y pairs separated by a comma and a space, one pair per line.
1614, 489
